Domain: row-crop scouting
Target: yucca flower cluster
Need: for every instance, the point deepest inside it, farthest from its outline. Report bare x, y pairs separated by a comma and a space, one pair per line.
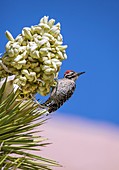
35, 57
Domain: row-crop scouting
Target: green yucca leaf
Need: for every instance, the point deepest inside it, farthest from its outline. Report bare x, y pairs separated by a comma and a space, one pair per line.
18, 135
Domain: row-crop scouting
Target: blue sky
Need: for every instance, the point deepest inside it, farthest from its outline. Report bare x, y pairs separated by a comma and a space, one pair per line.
91, 31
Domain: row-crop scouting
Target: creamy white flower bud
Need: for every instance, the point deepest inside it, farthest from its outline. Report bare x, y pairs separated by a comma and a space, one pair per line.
59, 64
48, 45
22, 80
49, 71
16, 52
52, 55
16, 45
35, 54
32, 77
41, 42
60, 55
56, 62
58, 25
60, 38
42, 20
11, 52
22, 49
56, 33
43, 51
25, 72
9, 36
44, 67
19, 39
48, 35
26, 33
47, 62
4, 67
22, 62
45, 19
57, 43
17, 81
54, 29
18, 58
45, 26
39, 37
63, 47
65, 56
51, 22
36, 29
54, 65
53, 50
44, 58
32, 45
24, 55
24, 43
45, 37
8, 45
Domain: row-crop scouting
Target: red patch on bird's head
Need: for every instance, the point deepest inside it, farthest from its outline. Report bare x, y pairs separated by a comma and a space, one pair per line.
67, 72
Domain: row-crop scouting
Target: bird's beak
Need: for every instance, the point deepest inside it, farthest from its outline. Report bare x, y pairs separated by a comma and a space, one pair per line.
78, 74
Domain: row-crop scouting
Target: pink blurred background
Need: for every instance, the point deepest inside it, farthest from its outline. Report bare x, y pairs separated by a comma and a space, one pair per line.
80, 144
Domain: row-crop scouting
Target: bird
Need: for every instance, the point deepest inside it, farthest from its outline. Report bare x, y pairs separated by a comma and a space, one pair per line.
62, 91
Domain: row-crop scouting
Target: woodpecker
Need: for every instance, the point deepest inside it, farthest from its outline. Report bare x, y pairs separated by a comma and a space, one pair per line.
63, 91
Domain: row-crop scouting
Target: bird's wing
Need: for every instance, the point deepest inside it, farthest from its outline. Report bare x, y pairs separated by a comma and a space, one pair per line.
64, 88
62, 92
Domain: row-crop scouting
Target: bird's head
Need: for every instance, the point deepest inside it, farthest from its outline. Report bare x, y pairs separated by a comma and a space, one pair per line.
70, 74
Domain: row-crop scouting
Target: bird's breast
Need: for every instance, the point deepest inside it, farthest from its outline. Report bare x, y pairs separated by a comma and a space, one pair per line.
65, 87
